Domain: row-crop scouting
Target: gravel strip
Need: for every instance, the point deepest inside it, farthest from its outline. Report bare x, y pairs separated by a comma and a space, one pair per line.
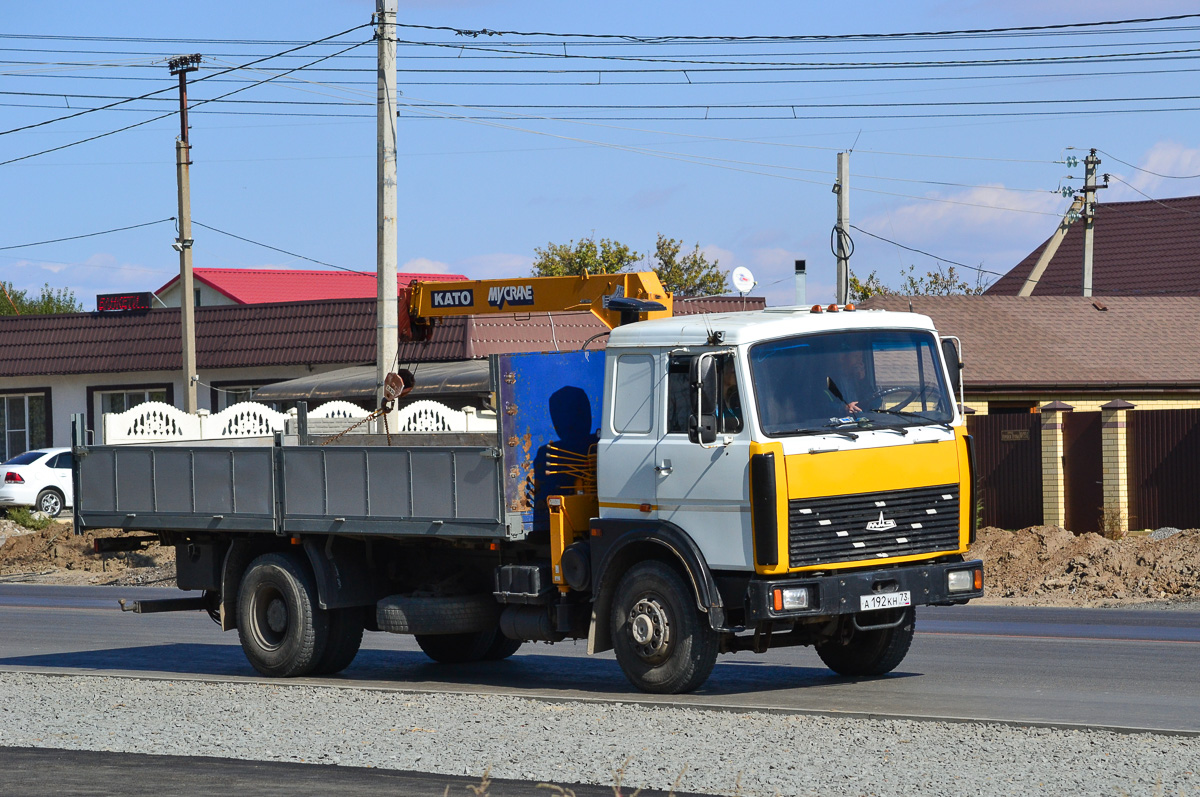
767, 754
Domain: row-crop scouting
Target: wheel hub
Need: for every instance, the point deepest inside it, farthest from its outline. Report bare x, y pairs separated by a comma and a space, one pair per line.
277, 616
650, 629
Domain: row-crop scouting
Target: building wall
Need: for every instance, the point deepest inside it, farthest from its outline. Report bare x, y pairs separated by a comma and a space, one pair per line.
1091, 402
208, 296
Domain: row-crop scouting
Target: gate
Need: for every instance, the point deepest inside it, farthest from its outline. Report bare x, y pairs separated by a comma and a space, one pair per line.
1083, 470
1008, 468
1162, 455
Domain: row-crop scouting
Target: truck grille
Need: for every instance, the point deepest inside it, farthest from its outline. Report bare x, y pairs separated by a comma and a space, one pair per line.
848, 528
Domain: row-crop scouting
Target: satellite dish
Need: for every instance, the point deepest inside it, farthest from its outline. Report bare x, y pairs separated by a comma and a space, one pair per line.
743, 280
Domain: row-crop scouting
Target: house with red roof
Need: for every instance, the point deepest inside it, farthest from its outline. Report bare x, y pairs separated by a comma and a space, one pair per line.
215, 287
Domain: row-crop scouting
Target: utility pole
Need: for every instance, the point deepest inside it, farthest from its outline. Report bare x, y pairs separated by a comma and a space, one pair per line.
841, 231
1089, 217
387, 325
181, 65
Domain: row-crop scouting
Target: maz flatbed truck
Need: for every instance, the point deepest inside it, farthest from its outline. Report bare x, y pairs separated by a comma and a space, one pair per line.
705, 484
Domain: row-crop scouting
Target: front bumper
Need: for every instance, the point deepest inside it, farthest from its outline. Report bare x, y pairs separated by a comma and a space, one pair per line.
841, 593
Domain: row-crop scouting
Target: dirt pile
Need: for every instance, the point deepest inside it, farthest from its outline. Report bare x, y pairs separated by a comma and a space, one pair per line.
1048, 565
56, 555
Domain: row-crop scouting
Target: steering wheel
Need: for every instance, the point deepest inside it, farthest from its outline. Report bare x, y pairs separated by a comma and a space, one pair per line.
903, 395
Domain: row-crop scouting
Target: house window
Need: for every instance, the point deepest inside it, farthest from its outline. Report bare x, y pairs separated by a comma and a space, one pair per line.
22, 424
228, 396
121, 400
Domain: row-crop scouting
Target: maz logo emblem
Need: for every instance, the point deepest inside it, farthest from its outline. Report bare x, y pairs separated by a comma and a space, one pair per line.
881, 524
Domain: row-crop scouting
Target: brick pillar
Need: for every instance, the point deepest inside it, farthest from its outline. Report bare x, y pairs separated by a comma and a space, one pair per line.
1116, 471
1054, 493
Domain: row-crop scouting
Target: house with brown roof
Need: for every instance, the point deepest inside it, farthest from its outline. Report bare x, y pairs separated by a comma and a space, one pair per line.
1139, 249
53, 366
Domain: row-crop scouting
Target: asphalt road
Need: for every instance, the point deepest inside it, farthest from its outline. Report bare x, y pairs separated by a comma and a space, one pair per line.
1133, 669
67, 773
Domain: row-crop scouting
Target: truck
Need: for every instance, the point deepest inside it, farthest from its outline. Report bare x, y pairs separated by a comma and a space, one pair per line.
702, 485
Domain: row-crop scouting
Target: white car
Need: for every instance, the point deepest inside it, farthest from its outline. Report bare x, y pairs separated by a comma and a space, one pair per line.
40, 479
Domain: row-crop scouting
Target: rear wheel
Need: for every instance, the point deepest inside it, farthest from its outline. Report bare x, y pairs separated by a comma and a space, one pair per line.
874, 652
664, 644
50, 501
345, 638
283, 631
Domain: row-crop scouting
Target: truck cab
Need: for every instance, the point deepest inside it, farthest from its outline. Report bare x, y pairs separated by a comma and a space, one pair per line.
810, 464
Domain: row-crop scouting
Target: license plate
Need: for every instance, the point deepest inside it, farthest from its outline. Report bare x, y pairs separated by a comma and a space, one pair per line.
885, 600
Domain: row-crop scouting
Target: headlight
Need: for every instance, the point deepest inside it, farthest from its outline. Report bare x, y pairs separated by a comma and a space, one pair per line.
964, 580
790, 599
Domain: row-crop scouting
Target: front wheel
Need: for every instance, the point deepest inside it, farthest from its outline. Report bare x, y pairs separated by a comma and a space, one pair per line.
663, 643
283, 630
874, 652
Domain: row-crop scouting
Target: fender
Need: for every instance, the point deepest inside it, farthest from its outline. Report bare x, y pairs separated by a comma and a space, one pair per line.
611, 541
343, 578
239, 556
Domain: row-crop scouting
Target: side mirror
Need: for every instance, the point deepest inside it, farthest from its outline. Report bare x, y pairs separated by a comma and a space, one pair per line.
953, 364
702, 420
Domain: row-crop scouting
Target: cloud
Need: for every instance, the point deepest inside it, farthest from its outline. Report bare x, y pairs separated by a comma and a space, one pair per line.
1165, 158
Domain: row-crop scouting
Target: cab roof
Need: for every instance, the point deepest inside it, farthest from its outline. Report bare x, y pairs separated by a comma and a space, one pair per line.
759, 325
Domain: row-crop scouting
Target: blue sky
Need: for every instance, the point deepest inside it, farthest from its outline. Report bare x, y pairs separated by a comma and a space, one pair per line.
750, 184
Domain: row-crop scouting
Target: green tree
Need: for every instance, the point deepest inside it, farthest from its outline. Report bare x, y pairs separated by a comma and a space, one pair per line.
942, 282
49, 301
690, 275
573, 259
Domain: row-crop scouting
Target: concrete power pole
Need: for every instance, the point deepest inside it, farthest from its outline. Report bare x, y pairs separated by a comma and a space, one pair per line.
181, 65
842, 189
1089, 217
387, 307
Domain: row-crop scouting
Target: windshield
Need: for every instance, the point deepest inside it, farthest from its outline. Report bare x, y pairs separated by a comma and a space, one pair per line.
847, 381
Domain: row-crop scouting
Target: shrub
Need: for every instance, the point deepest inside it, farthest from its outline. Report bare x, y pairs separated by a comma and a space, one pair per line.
24, 516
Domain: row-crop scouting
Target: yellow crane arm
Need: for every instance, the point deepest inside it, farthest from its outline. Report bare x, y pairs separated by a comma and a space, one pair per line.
613, 298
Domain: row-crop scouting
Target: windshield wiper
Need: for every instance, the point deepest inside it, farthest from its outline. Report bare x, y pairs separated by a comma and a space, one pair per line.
917, 415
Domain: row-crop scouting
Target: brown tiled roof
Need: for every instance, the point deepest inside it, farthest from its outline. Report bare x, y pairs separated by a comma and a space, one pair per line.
1140, 248
1042, 343
288, 333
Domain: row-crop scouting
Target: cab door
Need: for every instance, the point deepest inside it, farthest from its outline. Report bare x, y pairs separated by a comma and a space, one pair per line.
626, 461
705, 490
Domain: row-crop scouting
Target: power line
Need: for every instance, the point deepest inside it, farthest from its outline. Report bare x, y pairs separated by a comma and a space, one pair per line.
1147, 171
86, 235
277, 249
1152, 199
172, 113
811, 37
160, 91
927, 254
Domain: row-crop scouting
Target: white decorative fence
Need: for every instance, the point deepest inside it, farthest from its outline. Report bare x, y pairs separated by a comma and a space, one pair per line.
154, 421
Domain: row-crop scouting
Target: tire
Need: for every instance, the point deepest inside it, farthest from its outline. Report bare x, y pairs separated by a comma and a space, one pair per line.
502, 647
463, 614
345, 638
459, 648
663, 642
50, 501
868, 653
283, 631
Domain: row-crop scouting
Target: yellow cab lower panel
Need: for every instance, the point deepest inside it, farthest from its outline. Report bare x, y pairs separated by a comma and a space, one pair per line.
871, 470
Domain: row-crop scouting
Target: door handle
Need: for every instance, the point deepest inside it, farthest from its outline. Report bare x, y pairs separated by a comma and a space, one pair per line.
664, 468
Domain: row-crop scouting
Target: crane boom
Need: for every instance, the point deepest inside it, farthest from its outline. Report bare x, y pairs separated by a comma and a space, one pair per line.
613, 298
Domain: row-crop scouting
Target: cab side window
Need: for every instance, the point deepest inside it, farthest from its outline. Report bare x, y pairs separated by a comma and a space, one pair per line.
729, 404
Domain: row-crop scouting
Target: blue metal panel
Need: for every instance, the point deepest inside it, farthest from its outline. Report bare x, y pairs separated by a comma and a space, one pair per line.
551, 399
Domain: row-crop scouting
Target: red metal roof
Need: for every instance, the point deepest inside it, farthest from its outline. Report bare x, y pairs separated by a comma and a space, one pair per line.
1140, 248
262, 285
